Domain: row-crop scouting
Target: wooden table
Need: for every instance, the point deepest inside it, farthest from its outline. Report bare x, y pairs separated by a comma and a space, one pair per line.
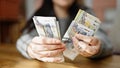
11, 58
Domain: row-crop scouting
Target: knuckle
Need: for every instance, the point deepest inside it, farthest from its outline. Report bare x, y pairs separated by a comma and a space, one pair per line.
43, 39
46, 40
52, 40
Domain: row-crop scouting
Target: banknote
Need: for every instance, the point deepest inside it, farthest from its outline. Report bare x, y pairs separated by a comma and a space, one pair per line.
87, 20
85, 24
47, 26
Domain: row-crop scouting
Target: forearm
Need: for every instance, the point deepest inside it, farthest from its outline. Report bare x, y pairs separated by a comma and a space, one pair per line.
22, 44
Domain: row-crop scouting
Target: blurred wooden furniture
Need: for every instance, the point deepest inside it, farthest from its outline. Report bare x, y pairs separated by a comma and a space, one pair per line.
11, 58
9, 9
10, 12
9, 32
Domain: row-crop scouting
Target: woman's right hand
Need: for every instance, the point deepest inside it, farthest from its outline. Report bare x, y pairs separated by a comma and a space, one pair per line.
46, 49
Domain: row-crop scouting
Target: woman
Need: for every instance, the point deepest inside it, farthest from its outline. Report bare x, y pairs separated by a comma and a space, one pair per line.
45, 49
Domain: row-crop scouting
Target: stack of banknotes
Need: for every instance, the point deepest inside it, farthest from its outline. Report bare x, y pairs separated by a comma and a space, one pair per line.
47, 26
84, 23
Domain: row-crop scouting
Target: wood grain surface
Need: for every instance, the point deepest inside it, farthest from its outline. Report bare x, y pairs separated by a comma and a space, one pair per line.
11, 58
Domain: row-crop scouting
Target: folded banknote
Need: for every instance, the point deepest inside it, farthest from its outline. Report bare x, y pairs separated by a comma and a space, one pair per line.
84, 23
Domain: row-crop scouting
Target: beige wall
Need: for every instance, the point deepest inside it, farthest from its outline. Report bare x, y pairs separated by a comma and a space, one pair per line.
31, 6
115, 30
109, 12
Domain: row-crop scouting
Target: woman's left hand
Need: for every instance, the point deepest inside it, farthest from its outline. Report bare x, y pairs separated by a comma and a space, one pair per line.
86, 45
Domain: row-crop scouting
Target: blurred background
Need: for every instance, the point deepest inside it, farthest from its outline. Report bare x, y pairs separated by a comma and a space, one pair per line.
15, 13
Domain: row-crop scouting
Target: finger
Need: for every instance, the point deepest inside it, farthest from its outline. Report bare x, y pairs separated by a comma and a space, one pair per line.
87, 39
94, 41
52, 59
38, 48
79, 45
50, 53
30, 52
93, 49
86, 50
57, 58
85, 54
83, 38
75, 41
82, 49
82, 45
45, 40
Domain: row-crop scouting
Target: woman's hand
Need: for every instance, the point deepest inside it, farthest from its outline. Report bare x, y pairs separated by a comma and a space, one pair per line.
46, 49
87, 46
